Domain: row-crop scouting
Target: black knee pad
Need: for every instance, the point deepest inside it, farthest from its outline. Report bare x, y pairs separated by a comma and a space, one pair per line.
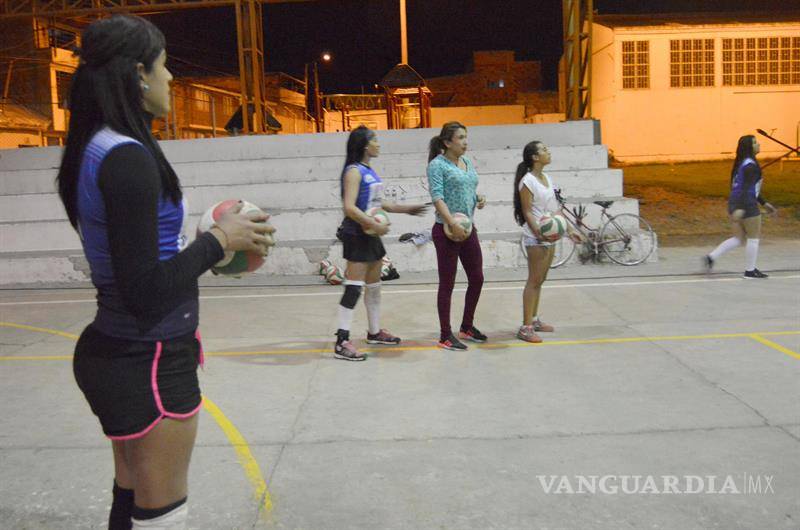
350, 296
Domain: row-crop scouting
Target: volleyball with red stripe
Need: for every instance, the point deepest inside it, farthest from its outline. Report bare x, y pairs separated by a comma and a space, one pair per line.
235, 263
552, 226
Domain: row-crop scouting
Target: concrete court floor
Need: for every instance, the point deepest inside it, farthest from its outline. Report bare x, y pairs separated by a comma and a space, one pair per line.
667, 374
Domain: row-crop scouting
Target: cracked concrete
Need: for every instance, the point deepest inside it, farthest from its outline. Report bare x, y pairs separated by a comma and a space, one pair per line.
651, 372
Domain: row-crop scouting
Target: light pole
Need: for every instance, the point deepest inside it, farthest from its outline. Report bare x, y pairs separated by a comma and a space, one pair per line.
403, 33
325, 57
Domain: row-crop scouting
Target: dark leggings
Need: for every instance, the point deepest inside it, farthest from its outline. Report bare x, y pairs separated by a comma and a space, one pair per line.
447, 254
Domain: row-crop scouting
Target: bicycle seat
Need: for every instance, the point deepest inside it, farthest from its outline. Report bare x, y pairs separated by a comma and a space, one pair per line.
604, 204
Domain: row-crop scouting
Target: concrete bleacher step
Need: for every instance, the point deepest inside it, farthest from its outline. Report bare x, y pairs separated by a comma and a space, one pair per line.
323, 169
46, 206
291, 258
291, 223
411, 141
296, 179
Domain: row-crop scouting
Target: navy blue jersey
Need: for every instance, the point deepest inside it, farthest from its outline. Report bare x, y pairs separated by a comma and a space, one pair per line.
746, 185
132, 236
370, 195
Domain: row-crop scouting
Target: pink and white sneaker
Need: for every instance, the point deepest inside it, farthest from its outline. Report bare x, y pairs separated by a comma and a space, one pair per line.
346, 351
382, 337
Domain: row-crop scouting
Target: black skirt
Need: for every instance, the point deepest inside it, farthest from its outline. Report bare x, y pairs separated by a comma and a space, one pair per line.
362, 247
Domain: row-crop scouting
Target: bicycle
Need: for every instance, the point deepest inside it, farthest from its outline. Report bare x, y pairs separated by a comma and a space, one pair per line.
625, 238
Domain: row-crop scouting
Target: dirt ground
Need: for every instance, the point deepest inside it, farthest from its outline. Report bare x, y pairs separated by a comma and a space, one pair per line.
684, 212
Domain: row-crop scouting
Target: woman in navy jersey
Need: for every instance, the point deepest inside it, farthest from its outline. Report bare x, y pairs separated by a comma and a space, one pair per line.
362, 189
136, 363
743, 207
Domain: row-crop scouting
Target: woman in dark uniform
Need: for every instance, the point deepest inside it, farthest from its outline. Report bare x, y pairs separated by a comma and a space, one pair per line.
743, 207
136, 363
362, 189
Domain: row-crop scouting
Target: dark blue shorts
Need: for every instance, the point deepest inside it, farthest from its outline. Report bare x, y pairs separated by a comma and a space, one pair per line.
750, 210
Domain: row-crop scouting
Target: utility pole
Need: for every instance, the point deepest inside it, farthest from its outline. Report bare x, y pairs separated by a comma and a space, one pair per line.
403, 33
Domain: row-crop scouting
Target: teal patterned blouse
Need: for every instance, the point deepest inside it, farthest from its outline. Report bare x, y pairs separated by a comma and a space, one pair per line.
454, 185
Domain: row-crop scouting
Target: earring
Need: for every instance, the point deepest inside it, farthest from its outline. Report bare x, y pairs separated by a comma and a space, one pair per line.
145, 87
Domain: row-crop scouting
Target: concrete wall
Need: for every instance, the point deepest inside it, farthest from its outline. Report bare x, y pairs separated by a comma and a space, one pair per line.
12, 140
479, 115
296, 179
663, 123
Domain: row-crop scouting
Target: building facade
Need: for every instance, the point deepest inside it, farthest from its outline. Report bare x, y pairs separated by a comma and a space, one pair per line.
686, 87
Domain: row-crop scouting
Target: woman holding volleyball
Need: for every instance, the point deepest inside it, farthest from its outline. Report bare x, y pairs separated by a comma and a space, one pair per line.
452, 182
362, 189
534, 196
136, 363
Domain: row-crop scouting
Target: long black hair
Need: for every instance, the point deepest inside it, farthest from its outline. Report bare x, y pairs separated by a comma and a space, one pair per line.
530, 150
106, 91
436, 146
743, 150
356, 145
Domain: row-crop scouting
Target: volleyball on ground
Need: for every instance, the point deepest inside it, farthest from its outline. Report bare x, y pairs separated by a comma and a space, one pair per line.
334, 275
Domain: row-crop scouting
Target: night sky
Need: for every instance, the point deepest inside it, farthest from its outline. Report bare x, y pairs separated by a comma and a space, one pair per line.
364, 35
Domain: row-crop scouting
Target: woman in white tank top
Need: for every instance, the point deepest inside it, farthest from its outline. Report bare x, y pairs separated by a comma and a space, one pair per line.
534, 196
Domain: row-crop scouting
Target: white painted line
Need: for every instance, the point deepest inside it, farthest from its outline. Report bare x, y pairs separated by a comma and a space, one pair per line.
517, 287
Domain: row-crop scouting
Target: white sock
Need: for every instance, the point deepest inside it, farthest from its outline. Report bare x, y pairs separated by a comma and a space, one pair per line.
345, 318
729, 244
172, 520
372, 299
750, 254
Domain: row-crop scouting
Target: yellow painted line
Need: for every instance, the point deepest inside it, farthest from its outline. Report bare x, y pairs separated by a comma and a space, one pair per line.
774, 345
501, 345
40, 330
35, 357
489, 346
246, 460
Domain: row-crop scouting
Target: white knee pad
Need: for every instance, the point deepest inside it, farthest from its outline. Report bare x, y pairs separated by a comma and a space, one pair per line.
172, 520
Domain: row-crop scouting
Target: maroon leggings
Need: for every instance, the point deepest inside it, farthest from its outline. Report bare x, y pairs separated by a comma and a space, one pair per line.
447, 254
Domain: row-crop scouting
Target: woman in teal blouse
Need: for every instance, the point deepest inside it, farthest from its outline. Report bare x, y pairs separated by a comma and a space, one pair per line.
452, 182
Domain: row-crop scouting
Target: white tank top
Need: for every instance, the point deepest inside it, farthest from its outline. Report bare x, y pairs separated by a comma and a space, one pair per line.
544, 198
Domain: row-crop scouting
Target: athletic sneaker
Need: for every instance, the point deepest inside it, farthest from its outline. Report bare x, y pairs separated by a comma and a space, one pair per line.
346, 351
708, 262
528, 334
382, 337
452, 343
538, 325
472, 334
755, 274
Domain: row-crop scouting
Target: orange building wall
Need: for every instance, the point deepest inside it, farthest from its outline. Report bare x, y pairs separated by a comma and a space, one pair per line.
673, 124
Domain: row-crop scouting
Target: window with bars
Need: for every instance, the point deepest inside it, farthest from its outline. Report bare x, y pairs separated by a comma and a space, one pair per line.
63, 82
691, 63
761, 61
636, 64
202, 100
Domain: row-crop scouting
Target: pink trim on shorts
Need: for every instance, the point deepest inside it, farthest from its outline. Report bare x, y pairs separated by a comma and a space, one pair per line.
200, 342
136, 435
159, 404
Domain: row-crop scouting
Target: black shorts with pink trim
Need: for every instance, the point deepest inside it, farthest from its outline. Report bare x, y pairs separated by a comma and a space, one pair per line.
131, 385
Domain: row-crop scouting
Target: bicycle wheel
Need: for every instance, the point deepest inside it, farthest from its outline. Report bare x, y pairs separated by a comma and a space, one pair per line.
565, 247
627, 239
